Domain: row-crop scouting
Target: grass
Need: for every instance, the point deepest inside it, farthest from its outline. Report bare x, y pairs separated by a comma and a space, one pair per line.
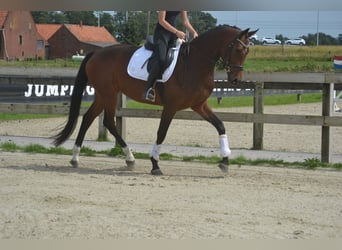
271, 65
259, 59
117, 152
245, 101
291, 58
11, 116
294, 53
57, 63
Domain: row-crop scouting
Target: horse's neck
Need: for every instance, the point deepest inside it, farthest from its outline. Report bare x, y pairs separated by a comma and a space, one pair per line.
211, 42
206, 51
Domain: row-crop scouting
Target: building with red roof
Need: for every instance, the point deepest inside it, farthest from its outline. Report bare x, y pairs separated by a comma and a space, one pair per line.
21, 38
18, 36
71, 39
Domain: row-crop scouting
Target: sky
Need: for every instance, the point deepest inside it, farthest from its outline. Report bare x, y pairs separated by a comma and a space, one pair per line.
290, 24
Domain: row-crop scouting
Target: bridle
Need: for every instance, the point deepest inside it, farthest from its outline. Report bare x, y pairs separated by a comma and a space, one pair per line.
227, 60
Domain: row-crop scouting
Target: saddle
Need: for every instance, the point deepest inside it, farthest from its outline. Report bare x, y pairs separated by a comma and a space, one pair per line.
143, 57
149, 45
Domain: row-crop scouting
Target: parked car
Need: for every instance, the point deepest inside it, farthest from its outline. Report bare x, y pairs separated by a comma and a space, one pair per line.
296, 41
253, 38
268, 40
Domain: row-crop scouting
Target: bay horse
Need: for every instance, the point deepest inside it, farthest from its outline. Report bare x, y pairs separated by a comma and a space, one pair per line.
190, 85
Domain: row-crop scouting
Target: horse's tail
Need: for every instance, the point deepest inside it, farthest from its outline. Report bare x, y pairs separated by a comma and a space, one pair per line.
75, 104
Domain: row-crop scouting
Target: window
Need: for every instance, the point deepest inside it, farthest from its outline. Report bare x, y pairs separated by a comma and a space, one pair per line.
40, 44
20, 39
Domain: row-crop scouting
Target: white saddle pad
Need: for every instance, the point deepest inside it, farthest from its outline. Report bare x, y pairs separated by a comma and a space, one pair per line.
137, 66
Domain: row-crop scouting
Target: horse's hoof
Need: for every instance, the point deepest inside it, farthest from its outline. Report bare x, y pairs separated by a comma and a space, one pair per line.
223, 167
156, 172
130, 165
74, 164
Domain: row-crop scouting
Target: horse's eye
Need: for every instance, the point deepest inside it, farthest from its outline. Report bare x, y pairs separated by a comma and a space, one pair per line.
239, 50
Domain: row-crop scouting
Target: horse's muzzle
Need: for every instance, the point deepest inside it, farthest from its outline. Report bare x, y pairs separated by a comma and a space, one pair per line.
234, 77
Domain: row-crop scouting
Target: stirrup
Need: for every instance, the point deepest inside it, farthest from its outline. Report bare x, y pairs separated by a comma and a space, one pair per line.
150, 95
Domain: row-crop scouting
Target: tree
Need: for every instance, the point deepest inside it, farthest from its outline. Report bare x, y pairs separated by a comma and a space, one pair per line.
131, 27
119, 21
281, 38
49, 17
87, 17
41, 16
202, 21
134, 28
339, 38
58, 17
324, 39
107, 21
62, 17
126, 26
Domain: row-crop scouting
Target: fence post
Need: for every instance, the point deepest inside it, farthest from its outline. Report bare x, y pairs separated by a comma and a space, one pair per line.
121, 121
258, 128
327, 106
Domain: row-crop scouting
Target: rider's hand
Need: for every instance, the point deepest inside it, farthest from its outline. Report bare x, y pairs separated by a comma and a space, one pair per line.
180, 34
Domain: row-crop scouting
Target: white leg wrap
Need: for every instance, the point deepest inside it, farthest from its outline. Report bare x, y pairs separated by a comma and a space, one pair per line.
128, 153
224, 146
76, 153
155, 151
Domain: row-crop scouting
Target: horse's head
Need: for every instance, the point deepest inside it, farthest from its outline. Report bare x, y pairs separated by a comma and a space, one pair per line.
235, 54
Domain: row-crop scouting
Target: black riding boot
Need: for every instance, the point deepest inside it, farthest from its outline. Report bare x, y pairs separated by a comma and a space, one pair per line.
149, 93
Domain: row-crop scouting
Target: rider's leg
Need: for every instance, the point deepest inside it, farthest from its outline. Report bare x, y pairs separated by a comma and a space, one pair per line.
156, 65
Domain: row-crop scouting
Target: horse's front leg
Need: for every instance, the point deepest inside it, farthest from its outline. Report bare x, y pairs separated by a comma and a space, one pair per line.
164, 124
206, 112
225, 152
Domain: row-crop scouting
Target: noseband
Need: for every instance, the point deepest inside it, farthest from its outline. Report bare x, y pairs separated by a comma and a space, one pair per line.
227, 64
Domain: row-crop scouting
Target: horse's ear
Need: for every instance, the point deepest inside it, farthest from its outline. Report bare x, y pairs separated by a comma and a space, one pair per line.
251, 33
244, 33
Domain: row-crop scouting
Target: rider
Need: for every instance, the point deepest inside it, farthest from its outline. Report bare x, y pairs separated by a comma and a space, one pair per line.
165, 33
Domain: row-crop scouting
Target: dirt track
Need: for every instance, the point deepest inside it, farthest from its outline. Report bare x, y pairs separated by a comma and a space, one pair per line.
42, 197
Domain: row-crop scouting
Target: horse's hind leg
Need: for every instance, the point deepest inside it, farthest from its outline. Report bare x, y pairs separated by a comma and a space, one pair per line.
88, 118
206, 112
108, 122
